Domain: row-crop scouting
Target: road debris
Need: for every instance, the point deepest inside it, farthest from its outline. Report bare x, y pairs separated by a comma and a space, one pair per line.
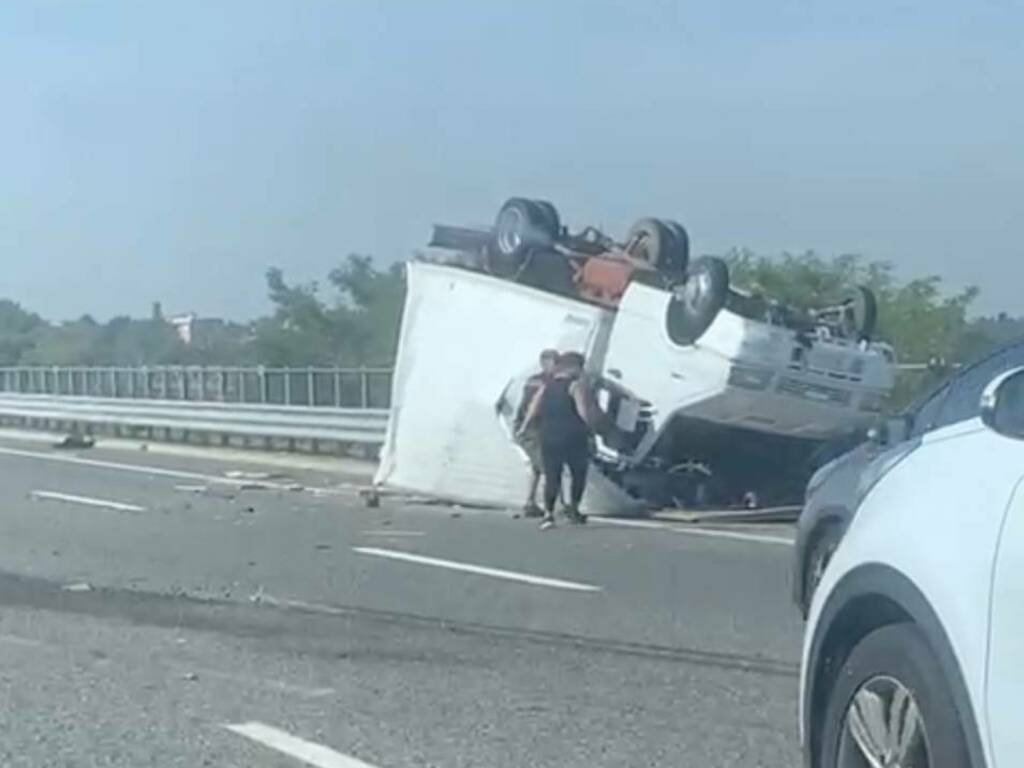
74, 441
238, 474
78, 586
192, 488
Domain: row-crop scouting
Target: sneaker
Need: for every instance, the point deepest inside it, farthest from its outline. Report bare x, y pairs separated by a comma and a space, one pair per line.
547, 523
532, 510
575, 516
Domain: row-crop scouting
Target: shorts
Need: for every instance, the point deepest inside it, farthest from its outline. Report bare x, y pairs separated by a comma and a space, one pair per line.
530, 443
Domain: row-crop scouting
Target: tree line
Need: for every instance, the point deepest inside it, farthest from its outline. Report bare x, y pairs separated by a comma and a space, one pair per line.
352, 319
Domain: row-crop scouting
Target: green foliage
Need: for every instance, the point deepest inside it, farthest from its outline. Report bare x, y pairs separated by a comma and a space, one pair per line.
359, 325
17, 328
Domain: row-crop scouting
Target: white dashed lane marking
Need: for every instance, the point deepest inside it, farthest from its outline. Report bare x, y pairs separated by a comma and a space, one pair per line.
86, 501
308, 752
479, 570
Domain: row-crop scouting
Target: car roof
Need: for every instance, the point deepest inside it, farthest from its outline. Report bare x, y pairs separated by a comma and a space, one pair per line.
960, 371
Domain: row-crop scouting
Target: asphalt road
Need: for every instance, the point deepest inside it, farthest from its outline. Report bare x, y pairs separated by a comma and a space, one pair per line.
155, 611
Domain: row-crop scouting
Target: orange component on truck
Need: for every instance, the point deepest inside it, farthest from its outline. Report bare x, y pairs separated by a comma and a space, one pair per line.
605, 279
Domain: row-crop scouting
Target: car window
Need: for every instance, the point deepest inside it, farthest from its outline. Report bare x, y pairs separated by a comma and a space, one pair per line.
965, 390
1010, 414
926, 416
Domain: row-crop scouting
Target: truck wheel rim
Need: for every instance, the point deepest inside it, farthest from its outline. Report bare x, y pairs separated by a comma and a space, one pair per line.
510, 226
695, 290
883, 728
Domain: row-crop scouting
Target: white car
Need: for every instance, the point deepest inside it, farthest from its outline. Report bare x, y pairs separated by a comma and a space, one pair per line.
914, 651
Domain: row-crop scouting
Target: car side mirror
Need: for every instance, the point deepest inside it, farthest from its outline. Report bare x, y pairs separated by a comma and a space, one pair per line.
1002, 404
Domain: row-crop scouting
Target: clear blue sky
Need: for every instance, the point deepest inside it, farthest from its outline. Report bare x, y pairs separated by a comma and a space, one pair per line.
175, 150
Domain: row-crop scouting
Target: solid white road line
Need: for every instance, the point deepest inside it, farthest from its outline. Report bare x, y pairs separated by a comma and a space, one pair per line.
393, 533
497, 573
86, 501
308, 752
710, 532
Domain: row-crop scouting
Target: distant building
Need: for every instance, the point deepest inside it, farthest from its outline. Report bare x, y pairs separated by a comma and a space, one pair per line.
184, 326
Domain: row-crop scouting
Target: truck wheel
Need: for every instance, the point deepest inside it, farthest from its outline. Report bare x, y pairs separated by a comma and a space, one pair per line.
521, 226
860, 313
656, 242
680, 249
697, 302
551, 213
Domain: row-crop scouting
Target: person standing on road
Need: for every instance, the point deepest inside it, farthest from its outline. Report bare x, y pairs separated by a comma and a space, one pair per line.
527, 435
561, 411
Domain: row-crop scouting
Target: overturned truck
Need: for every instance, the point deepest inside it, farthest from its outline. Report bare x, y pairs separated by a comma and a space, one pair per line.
708, 396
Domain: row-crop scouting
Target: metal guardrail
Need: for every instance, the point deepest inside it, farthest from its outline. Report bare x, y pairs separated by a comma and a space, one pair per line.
312, 387
340, 425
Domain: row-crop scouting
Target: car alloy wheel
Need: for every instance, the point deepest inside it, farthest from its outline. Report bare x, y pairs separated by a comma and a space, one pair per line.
883, 728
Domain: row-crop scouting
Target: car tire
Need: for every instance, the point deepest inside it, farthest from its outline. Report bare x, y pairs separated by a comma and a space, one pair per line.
822, 548
890, 676
697, 302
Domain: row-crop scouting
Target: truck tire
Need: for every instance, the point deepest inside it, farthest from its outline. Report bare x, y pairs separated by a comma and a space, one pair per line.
860, 313
680, 250
551, 213
656, 242
697, 302
521, 226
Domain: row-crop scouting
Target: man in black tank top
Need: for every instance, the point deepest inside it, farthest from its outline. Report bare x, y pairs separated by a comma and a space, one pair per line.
561, 412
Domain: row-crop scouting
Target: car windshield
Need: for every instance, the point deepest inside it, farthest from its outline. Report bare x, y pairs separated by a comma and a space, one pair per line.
450, 383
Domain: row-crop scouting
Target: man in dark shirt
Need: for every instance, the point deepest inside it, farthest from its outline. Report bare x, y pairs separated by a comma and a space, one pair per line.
562, 414
528, 438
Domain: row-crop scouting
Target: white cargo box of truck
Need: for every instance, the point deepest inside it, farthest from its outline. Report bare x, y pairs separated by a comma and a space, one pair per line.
465, 336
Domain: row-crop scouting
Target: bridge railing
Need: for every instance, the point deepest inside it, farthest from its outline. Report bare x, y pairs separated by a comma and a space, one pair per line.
315, 387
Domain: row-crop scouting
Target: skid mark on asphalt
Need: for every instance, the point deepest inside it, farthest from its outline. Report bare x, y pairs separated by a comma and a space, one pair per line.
762, 665
238, 620
308, 752
86, 501
713, 533
479, 570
